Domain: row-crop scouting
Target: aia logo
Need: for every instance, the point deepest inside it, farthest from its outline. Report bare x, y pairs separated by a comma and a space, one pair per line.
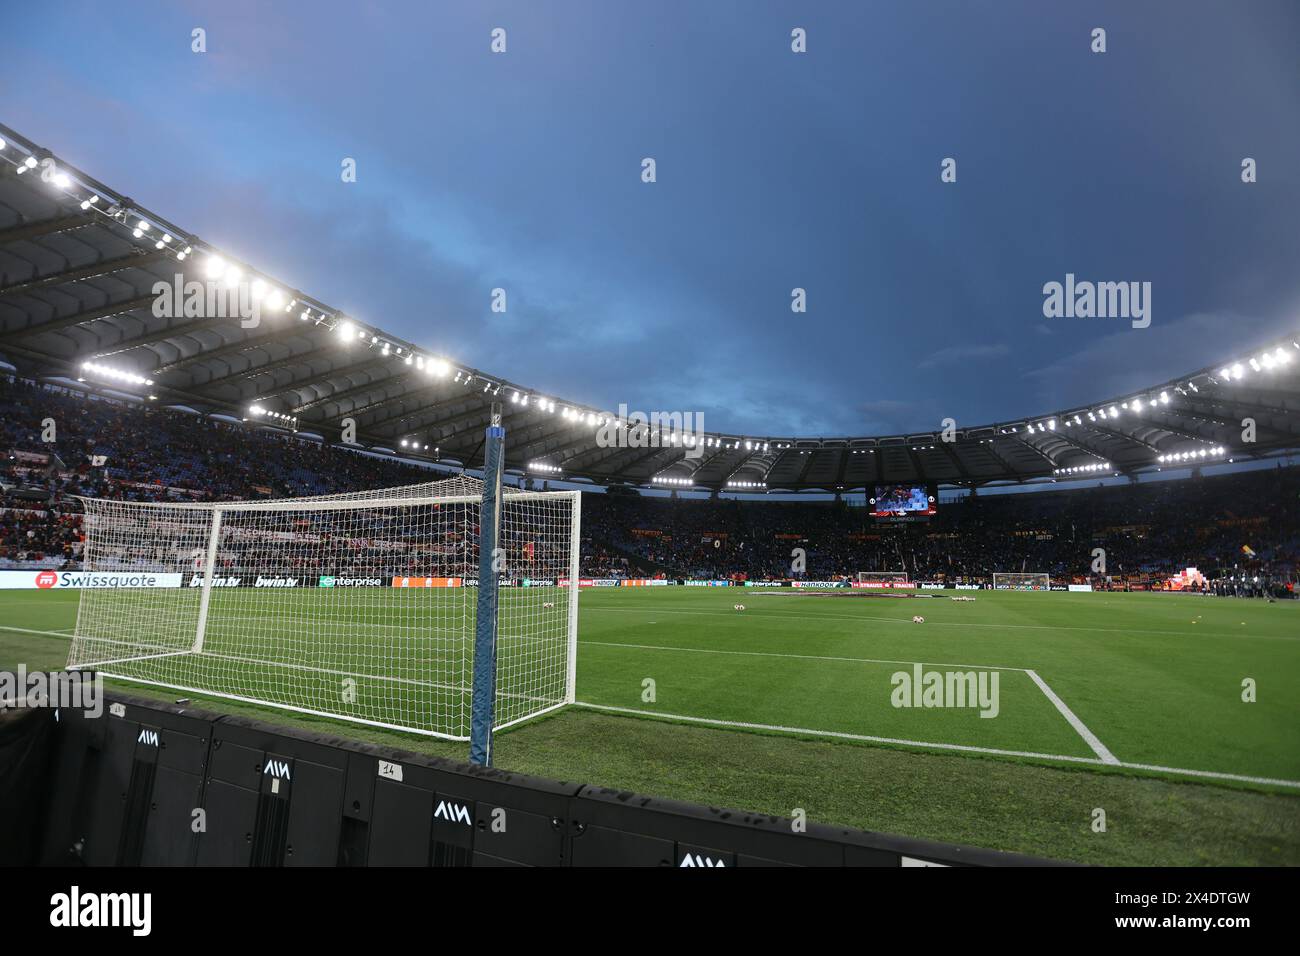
453, 812
46, 579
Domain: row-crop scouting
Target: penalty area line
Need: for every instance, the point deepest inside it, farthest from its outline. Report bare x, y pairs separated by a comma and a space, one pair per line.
963, 748
1080, 728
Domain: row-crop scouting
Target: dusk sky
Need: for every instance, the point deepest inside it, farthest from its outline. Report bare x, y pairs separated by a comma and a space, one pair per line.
775, 170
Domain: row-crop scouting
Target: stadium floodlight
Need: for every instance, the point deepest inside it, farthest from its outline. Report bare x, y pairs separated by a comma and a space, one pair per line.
388, 609
114, 374
1237, 370
63, 180
232, 276
2, 144
1114, 412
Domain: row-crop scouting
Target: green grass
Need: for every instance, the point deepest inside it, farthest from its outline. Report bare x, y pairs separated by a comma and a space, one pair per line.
1156, 678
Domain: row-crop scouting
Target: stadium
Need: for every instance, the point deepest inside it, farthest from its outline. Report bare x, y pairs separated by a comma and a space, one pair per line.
268, 522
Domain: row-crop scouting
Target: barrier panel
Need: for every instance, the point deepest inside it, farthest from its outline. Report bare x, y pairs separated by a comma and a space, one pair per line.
154, 783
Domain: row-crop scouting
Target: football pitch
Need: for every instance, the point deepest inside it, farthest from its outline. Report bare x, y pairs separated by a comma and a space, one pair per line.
1177, 716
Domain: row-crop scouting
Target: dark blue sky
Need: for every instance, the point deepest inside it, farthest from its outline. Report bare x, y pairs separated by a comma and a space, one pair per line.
775, 170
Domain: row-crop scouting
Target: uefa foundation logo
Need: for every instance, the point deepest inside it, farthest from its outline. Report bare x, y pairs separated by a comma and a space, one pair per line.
226, 298
657, 430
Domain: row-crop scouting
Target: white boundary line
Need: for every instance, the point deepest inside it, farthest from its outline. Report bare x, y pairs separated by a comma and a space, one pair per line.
1091, 761
840, 735
1233, 635
1104, 756
805, 657
1080, 728
29, 630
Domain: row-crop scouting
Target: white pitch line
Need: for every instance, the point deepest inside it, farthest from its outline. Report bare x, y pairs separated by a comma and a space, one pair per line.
963, 624
1079, 727
802, 657
1063, 758
841, 735
28, 630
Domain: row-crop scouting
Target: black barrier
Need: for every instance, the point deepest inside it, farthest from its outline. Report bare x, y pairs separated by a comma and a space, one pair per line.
152, 783
26, 736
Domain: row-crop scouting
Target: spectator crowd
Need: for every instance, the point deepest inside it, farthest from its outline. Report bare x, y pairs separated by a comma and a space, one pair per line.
1238, 525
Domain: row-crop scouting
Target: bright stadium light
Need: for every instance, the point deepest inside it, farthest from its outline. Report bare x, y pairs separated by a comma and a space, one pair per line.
1237, 370
214, 267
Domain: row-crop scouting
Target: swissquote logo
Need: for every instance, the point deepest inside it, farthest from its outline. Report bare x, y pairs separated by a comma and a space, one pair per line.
453, 812
74, 909
46, 579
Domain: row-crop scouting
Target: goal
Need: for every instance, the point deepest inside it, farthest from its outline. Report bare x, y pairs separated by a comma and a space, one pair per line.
357, 606
884, 579
1021, 581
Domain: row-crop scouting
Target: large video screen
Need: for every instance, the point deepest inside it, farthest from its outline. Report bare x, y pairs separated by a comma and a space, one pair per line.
902, 500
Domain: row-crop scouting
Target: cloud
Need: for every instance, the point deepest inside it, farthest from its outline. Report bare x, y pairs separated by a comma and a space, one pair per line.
1108, 367
963, 353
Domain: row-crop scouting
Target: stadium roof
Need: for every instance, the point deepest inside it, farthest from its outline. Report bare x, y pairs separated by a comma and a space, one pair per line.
79, 263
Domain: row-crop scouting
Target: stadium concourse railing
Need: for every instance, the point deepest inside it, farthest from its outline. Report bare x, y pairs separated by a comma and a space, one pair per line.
154, 783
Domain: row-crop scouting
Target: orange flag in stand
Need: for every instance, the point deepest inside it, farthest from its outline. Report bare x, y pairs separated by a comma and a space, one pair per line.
1245, 549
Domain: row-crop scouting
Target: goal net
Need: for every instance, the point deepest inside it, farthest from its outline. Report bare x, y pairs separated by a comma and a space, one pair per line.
884, 579
357, 606
1021, 580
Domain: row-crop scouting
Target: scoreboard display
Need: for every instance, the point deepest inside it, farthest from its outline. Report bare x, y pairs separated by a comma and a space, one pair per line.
903, 501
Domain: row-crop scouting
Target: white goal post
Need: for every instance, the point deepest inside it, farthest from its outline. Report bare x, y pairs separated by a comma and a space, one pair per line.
357, 606
1021, 581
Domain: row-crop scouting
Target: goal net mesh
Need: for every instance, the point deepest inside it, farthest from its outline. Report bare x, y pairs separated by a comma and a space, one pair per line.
357, 606
1022, 580
882, 577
